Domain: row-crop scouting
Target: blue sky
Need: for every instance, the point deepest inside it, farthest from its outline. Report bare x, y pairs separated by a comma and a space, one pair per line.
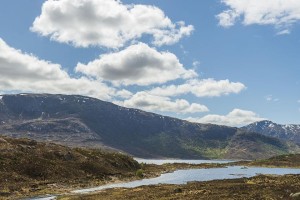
230, 62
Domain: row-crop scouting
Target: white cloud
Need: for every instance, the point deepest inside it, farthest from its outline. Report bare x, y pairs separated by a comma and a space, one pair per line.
268, 98
136, 65
200, 88
196, 64
185, 52
145, 101
124, 94
271, 98
236, 117
26, 73
284, 32
107, 23
280, 13
227, 18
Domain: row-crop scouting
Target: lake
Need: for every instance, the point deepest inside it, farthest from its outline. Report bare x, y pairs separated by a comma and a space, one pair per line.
165, 161
184, 176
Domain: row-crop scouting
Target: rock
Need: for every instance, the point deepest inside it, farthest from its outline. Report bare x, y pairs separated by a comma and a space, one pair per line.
295, 195
3, 141
32, 143
69, 156
22, 146
178, 190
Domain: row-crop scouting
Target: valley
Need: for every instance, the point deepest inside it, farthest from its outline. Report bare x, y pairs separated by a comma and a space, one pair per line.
62, 143
149, 100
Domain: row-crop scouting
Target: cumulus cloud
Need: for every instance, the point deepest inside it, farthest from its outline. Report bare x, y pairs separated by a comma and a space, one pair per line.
280, 13
136, 65
236, 118
106, 23
200, 88
124, 94
26, 73
227, 18
145, 101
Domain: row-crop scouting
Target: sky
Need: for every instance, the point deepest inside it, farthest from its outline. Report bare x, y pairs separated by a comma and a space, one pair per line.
228, 62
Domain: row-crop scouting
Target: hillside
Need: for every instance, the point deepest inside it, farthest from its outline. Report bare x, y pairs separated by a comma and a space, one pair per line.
83, 121
290, 132
247, 145
289, 160
28, 166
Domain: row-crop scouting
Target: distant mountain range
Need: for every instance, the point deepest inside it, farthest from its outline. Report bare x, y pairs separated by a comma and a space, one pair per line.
83, 121
290, 132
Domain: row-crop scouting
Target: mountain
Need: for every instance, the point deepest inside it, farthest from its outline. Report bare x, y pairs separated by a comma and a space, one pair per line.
250, 146
83, 121
290, 132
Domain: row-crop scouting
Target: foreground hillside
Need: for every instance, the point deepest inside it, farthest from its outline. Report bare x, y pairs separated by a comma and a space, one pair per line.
27, 166
83, 121
30, 168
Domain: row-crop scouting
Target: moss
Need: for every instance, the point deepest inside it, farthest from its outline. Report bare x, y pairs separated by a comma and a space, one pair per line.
139, 173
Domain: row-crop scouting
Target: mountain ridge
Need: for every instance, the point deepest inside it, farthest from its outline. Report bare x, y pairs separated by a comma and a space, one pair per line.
288, 132
84, 121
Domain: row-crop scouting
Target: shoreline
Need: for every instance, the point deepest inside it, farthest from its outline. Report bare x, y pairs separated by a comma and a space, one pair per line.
148, 171
152, 171
257, 187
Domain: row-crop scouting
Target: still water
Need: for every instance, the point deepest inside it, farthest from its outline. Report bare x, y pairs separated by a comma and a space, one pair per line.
184, 176
161, 162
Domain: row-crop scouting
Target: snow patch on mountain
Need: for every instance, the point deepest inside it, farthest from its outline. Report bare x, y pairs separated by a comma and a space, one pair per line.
287, 131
